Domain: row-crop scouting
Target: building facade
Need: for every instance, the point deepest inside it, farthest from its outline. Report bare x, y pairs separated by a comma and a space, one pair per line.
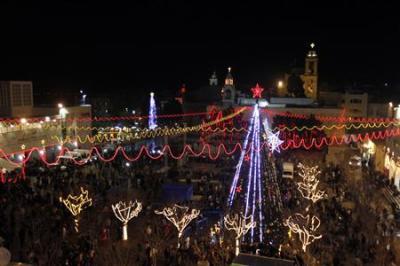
309, 77
37, 126
355, 104
16, 99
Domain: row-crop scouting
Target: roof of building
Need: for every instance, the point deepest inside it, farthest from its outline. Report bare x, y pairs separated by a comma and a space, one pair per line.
253, 260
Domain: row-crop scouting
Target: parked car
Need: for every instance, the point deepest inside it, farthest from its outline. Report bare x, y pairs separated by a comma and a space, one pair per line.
355, 161
288, 170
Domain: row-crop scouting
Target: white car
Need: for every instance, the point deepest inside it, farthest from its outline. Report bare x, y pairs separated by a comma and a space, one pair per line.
355, 161
288, 170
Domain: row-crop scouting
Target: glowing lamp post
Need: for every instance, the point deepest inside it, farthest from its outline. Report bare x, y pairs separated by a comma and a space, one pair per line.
125, 212
179, 216
240, 225
75, 204
62, 111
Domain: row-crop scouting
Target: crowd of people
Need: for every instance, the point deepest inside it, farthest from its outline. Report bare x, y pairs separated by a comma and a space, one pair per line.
356, 226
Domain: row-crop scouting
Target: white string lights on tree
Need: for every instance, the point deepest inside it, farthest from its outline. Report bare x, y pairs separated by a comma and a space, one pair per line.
240, 225
309, 185
179, 216
304, 227
75, 204
125, 212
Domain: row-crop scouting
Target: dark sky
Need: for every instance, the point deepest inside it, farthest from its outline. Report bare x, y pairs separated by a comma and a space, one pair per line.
114, 47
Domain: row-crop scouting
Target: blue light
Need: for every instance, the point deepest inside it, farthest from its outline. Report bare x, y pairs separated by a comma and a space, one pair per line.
253, 196
152, 120
152, 112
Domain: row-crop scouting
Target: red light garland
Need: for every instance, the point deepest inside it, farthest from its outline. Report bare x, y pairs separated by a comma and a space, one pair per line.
332, 119
206, 150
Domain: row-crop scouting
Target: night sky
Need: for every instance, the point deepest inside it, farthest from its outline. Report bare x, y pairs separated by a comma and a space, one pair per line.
112, 47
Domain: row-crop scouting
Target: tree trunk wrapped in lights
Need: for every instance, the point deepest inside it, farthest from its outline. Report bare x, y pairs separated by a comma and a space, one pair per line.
75, 204
309, 185
179, 216
304, 227
240, 225
125, 212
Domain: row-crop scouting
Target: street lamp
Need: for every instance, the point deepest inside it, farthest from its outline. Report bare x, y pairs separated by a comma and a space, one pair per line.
83, 97
62, 111
280, 84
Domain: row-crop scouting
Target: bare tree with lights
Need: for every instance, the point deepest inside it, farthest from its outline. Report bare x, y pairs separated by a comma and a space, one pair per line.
305, 227
179, 216
308, 187
75, 204
125, 212
240, 225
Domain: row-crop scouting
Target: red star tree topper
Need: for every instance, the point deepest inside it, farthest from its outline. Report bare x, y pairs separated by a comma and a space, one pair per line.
257, 91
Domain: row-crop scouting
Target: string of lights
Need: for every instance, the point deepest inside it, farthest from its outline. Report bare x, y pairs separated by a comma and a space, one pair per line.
47, 121
146, 133
339, 126
332, 119
108, 137
17, 121
206, 149
213, 152
253, 200
318, 143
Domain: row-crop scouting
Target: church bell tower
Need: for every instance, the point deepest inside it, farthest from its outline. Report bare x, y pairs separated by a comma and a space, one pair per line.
310, 76
228, 92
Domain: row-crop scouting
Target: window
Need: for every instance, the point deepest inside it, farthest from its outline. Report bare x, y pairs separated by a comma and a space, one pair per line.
355, 101
16, 95
27, 94
228, 81
4, 100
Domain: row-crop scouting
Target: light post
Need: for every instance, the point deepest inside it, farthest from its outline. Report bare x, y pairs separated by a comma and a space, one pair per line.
390, 110
280, 87
62, 111
83, 97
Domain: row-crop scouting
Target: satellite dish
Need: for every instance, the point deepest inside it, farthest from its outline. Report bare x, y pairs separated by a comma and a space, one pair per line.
5, 256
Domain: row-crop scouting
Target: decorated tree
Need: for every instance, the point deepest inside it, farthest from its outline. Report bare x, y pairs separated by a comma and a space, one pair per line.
179, 216
240, 225
305, 227
125, 212
75, 204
